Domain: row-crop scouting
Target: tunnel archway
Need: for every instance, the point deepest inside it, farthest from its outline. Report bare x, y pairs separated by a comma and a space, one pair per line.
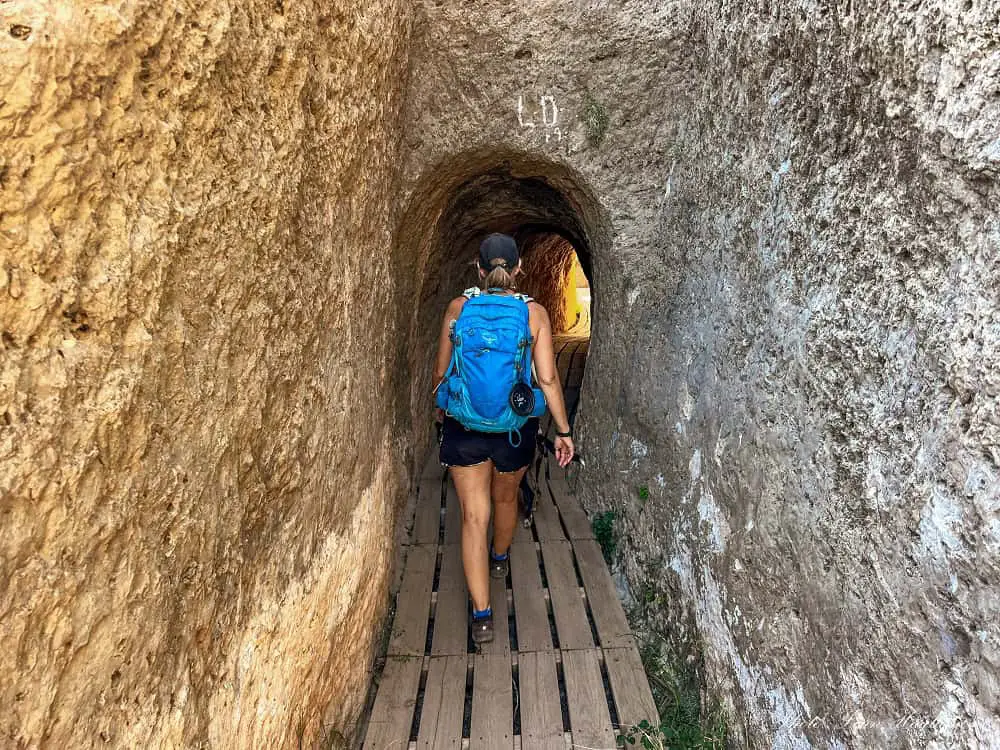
544, 204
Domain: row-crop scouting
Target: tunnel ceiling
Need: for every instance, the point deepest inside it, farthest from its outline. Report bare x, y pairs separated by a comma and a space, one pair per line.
547, 206
525, 207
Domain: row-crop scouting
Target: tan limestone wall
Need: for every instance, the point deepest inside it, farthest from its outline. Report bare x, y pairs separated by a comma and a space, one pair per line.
547, 264
197, 484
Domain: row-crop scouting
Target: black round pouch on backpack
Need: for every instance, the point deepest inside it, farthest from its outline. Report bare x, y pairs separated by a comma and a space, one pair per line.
522, 399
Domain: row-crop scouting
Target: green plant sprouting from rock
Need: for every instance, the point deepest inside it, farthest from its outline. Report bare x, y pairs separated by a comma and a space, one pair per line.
673, 663
676, 732
595, 120
683, 725
603, 525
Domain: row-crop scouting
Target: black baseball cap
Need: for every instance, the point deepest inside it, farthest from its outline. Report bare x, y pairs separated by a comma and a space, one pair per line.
498, 250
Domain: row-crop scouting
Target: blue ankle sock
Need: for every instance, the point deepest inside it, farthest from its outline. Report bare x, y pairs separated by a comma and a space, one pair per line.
479, 614
497, 557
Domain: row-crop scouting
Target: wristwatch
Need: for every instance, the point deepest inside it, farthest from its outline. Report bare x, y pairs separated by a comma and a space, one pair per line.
565, 434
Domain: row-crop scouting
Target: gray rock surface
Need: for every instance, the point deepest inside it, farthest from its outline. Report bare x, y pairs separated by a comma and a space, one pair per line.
792, 230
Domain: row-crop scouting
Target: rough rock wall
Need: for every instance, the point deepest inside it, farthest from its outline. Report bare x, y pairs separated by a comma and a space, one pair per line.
795, 329
815, 407
197, 480
547, 263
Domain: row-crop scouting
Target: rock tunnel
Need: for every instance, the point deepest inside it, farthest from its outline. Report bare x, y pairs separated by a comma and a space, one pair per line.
227, 234
548, 208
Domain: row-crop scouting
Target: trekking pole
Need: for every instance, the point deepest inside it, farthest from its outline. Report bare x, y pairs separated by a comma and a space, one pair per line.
527, 501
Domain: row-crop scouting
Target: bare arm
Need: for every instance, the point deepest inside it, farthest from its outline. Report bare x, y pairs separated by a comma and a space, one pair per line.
444, 339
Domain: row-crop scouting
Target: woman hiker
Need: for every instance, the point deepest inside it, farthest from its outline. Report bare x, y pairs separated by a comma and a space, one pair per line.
488, 457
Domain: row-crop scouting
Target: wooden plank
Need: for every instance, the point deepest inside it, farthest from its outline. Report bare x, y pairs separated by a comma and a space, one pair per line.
432, 464
573, 516
453, 601
563, 362
574, 360
501, 628
630, 687
571, 394
541, 716
409, 628
411, 511
451, 623
444, 704
530, 613
522, 533
452, 516
589, 717
560, 345
492, 704
557, 473
612, 626
427, 519
571, 361
579, 362
572, 625
392, 713
452, 574
547, 524
452, 612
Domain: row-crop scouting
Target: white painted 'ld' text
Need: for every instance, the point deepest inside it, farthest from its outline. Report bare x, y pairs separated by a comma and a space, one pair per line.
549, 113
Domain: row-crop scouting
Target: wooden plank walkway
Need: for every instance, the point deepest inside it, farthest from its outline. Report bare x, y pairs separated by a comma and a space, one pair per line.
564, 664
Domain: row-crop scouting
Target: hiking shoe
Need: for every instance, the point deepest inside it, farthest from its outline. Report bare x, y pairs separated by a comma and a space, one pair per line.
482, 629
499, 568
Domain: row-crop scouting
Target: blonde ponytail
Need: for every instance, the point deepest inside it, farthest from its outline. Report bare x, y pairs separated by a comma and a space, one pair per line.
499, 277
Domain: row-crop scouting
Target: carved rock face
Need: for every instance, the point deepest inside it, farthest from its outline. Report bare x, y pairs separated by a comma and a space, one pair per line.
226, 239
790, 224
197, 476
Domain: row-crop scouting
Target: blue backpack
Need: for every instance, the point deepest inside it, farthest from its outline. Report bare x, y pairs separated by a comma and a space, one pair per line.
491, 353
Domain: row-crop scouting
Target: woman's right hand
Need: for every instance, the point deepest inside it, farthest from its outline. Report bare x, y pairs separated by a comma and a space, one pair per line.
564, 450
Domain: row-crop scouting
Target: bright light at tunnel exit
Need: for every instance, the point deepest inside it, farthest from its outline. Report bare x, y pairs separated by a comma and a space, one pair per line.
576, 293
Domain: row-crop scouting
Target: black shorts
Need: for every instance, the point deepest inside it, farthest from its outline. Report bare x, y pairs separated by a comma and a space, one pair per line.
462, 447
